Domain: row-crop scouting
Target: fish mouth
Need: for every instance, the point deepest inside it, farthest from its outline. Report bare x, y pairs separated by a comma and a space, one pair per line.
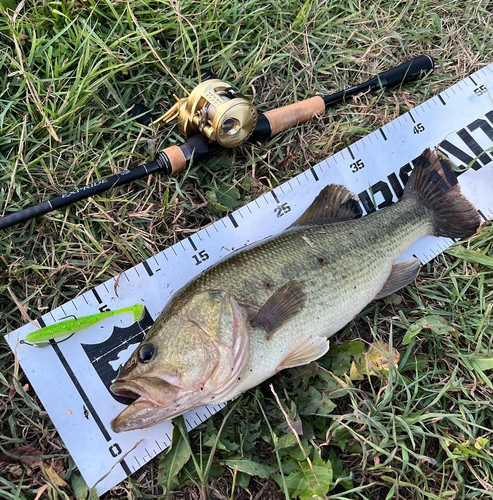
154, 400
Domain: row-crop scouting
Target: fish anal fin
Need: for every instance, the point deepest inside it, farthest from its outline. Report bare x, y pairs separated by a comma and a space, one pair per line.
333, 204
282, 306
312, 349
401, 275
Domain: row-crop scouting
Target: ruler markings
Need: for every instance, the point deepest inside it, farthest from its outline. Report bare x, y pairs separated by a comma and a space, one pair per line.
412, 117
315, 176
442, 100
147, 267
350, 153
192, 244
280, 188
383, 134
96, 295
472, 80
106, 288
233, 220
125, 467
483, 216
73, 303
275, 197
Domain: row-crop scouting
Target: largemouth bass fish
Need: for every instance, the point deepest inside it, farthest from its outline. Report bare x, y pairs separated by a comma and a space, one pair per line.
274, 305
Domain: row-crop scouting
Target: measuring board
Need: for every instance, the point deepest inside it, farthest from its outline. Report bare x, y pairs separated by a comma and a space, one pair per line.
72, 379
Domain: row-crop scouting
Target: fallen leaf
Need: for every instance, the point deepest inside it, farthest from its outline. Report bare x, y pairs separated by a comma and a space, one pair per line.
354, 373
53, 476
378, 358
24, 454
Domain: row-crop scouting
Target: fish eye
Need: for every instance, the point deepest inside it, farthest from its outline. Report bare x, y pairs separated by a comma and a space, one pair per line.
146, 353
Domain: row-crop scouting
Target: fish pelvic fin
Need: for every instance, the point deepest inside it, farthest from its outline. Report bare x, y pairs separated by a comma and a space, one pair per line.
333, 204
401, 275
313, 348
435, 185
282, 306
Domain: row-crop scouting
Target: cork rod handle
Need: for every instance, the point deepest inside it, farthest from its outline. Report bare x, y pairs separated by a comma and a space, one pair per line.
289, 116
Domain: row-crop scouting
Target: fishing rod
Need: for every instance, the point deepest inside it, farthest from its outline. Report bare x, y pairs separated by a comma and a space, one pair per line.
215, 116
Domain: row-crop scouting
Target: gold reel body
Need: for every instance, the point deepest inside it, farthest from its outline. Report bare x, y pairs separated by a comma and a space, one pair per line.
216, 111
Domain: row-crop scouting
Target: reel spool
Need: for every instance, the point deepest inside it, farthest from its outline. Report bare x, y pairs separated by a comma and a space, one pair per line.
216, 111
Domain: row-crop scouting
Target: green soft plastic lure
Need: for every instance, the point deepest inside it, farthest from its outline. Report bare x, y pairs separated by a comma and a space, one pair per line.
70, 326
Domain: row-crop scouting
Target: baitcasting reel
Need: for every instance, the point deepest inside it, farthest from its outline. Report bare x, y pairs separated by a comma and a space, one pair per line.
215, 114
216, 111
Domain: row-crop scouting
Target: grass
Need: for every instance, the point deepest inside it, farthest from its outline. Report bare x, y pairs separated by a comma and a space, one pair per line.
70, 71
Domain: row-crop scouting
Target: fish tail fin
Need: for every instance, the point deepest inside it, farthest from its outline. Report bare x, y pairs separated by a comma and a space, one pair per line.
435, 185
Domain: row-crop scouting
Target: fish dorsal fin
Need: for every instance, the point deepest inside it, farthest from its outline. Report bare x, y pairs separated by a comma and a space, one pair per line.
333, 204
401, 275
312, 349
282, 306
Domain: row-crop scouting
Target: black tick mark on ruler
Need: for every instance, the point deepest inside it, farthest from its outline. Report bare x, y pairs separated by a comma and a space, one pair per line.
383, 134
483, 216
233, 220
147, 268
192, 243
96, 294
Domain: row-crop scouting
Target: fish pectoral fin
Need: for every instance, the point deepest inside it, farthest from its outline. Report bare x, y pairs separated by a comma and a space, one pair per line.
312, 349
282, 306
333, 204
401, 275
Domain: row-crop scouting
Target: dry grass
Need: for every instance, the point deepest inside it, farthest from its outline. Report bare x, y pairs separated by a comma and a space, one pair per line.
70, 71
